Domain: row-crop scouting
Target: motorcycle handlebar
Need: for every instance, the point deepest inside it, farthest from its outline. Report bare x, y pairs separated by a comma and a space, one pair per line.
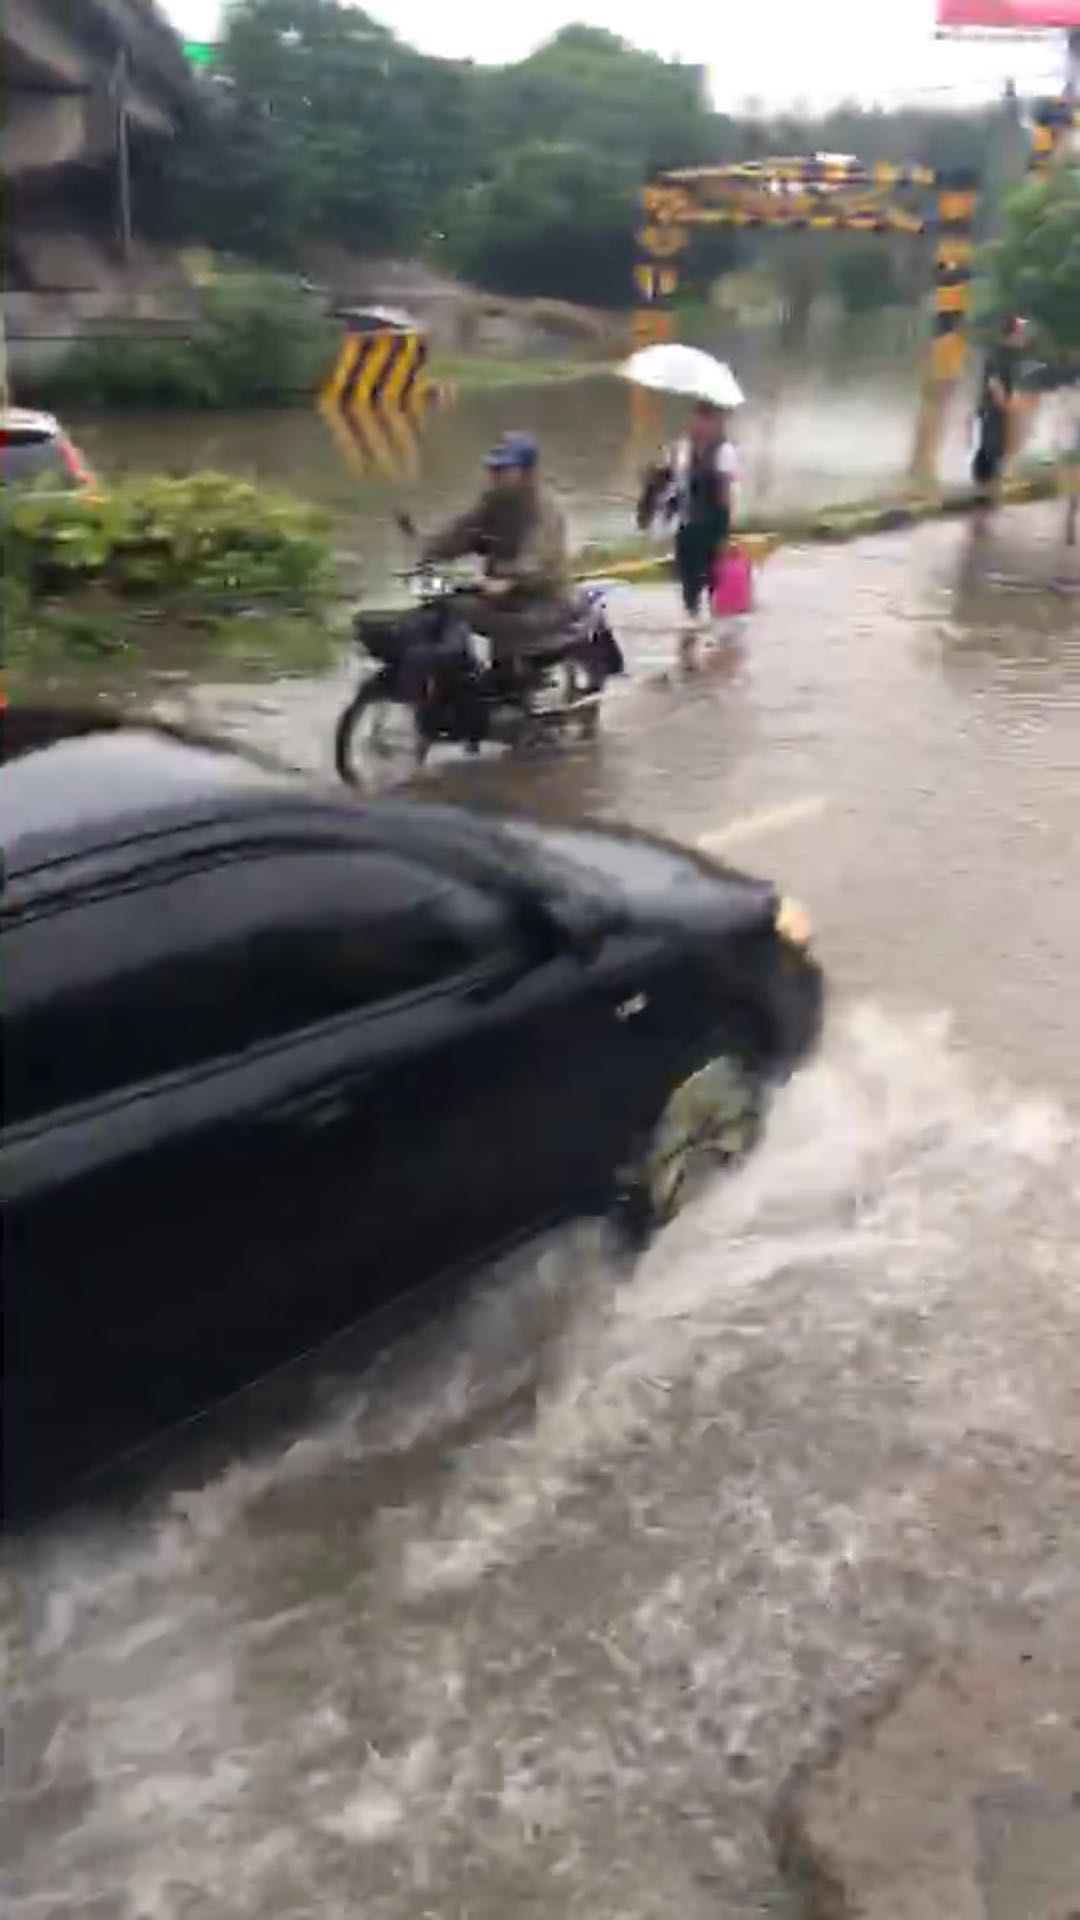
417, 573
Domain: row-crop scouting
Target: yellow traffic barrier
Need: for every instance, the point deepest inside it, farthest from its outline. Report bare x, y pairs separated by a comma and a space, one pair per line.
377, 399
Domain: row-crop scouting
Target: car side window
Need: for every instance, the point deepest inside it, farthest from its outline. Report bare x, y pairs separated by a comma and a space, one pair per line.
186, 967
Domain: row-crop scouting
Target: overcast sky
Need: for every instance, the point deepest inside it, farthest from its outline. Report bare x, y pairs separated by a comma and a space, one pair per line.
778, 51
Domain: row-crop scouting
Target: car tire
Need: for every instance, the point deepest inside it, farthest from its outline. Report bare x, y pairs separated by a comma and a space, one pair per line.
710, 1121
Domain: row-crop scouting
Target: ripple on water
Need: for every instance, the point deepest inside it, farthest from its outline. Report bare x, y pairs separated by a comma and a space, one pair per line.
541, 1620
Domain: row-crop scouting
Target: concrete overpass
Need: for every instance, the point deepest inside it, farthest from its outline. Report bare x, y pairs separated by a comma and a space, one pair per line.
67, 67
93, 90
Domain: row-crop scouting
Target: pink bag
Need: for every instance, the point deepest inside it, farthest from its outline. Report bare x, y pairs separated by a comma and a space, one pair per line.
733, 583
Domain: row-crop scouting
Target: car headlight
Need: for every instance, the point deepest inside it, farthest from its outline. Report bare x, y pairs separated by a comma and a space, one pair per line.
793, 924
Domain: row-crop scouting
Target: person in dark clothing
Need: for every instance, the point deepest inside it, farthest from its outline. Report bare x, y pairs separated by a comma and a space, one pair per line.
692, 484
518, 531
1000, 380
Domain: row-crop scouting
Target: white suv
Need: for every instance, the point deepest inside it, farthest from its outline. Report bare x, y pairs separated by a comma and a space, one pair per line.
35, 452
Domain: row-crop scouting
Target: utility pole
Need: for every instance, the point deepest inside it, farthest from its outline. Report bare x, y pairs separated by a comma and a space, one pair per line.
123, 158
1006, 161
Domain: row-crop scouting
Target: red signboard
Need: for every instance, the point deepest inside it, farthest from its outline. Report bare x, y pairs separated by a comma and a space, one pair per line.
1024, 15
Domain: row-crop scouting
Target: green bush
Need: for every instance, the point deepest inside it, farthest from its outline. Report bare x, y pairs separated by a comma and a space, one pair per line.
201, 572
207, 538
257, 342
1034, 268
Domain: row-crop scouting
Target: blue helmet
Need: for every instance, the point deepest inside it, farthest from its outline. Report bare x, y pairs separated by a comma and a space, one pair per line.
513, 450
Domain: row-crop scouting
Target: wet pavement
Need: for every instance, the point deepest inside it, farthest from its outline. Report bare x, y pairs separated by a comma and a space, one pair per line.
550, 1613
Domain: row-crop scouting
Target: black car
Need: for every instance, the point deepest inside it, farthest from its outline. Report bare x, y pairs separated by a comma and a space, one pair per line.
274, 1058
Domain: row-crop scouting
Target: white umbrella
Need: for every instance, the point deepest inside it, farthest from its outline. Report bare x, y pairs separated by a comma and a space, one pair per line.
670, 368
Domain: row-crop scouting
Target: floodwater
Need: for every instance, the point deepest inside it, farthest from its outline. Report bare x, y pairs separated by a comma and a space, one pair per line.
541, 1616
832, 426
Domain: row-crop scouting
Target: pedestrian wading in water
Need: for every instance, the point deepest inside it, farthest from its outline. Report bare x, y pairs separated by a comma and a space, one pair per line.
995, 415
692, 484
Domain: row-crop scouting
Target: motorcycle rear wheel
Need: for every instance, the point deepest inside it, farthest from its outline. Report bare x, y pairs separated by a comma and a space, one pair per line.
565, 685
378, 743
581, 685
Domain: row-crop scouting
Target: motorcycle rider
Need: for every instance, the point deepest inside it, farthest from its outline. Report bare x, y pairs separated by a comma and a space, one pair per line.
518, 530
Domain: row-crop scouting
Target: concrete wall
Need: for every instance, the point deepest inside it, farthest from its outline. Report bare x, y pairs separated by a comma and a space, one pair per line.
65, 68
71, 46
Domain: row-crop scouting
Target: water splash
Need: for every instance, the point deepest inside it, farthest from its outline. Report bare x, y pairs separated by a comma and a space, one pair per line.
541, 1620
862, 1186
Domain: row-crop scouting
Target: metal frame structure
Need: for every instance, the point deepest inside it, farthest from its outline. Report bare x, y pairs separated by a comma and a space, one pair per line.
824, 194
834, 193
1055, 124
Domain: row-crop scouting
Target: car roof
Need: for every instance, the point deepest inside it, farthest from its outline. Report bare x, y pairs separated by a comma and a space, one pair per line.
27, 423
71, 783
78, 782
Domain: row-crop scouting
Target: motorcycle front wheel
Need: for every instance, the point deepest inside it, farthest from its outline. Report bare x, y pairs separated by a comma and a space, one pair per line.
378, 743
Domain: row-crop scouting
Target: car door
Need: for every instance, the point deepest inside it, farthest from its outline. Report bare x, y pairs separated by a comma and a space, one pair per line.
248, 1106
595, 1031
260, 1090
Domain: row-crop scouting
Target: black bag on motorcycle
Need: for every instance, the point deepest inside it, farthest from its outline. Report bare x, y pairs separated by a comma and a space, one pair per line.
609, 653
388, 637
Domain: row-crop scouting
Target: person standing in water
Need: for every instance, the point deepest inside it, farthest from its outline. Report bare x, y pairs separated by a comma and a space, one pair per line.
1071, 464
995, 416
692, 483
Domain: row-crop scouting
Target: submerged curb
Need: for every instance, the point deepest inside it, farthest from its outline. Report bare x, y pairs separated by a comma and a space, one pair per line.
831, 526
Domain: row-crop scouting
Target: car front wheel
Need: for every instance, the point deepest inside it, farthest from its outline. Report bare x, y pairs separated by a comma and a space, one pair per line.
709, 1122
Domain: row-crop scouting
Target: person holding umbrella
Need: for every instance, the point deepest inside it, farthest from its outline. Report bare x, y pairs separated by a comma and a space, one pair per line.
692, 482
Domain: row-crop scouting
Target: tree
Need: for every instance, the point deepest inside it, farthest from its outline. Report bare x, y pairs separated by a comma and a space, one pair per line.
1034, 269
319, 123
359, 138
588, 88
556, 219
227, 181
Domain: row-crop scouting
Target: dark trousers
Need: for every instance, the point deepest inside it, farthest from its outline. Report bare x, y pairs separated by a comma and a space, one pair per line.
698, 546
515, 626
990, 452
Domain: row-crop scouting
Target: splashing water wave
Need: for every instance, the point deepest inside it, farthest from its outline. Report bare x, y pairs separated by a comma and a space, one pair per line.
541, 1619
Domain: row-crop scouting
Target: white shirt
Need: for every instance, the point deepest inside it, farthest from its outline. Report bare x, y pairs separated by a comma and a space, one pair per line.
681, 461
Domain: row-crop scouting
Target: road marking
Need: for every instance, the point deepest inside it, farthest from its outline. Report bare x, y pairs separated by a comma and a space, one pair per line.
767, 820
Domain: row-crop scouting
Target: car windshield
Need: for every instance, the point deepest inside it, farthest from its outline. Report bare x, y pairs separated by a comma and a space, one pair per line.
27, 460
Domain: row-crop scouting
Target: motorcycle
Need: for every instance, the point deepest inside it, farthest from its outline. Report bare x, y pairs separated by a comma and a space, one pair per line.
435, 681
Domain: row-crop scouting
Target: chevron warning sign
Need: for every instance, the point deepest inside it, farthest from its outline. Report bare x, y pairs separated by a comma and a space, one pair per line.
378, 398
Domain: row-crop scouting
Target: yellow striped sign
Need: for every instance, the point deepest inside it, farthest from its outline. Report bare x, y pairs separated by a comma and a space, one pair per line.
377, 399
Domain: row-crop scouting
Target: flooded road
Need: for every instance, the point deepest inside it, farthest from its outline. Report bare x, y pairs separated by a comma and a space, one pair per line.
833, 425
542, 1616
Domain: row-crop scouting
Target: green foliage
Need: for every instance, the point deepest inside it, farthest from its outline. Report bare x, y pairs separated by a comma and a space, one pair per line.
325, 126
321, 125
588, 88
555, 220
207, 539
257, 342
861, 272
1034, 269
199, 572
